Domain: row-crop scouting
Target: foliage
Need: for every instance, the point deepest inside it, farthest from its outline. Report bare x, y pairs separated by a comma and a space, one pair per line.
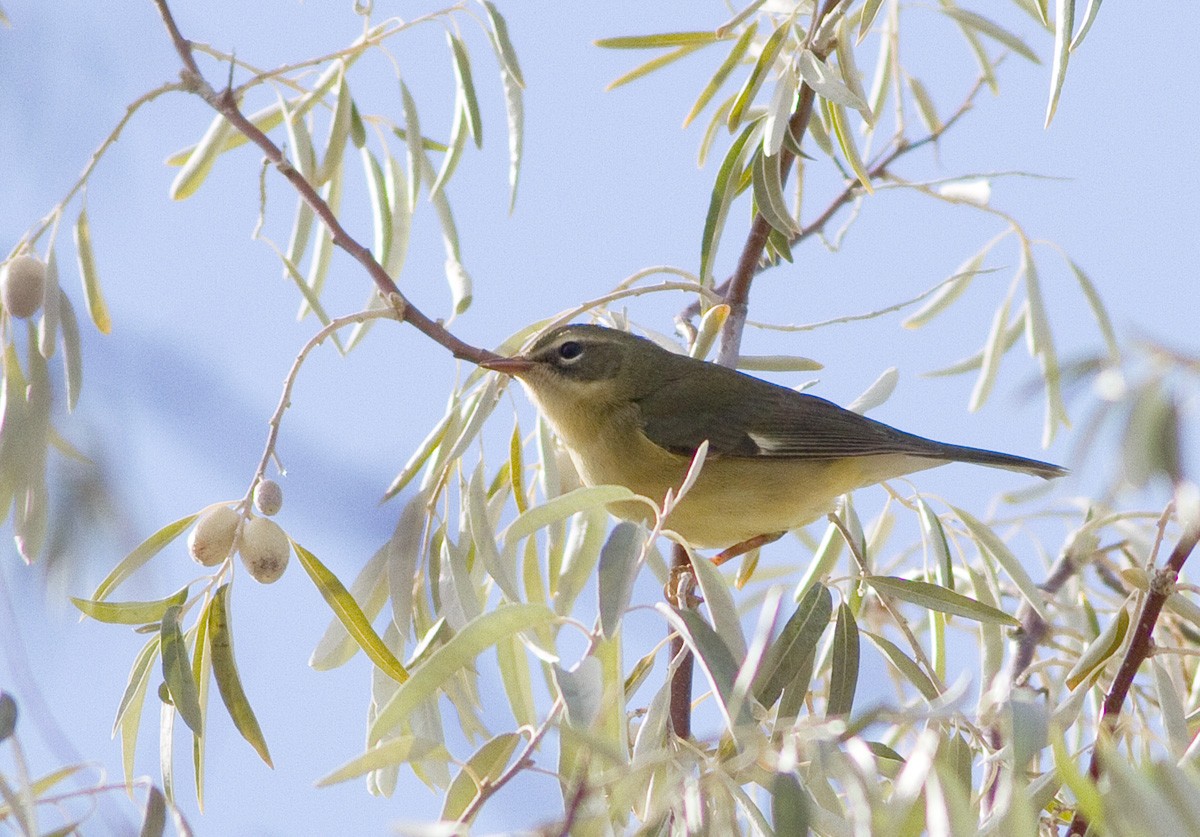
492, 554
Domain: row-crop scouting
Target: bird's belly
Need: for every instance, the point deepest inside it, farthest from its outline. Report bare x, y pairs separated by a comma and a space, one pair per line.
735, 499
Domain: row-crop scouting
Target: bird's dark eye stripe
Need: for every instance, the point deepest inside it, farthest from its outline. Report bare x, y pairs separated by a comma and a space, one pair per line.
570, 350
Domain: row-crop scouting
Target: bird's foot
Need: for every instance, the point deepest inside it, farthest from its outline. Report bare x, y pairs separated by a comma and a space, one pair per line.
745, 546
680, 590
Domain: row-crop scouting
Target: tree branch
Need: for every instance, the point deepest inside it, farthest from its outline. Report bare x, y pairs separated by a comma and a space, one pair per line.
225, 103
1141, 643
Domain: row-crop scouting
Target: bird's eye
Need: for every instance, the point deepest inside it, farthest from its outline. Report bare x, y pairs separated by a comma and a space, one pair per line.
570, 350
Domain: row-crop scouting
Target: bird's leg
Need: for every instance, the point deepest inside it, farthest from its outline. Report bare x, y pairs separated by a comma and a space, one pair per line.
745, 546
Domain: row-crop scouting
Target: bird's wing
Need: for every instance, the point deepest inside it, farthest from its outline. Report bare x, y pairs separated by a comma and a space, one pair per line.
772, 422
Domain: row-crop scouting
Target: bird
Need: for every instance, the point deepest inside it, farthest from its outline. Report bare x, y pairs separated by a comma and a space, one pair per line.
634, 414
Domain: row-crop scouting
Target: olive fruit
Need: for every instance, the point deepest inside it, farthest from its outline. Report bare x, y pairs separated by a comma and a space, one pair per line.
268, 497
211, 540
23, 285
264, 549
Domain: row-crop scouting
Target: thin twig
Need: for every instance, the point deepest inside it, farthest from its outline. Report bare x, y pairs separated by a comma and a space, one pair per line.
876, 170
133, 107
519, 763
225, 103
285, 398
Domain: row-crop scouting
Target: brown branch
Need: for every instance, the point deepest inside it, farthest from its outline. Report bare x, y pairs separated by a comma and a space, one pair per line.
681, 680
1141, 644
225, 103
875, 171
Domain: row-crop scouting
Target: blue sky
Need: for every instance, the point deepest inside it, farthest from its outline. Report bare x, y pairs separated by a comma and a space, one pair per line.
175, 401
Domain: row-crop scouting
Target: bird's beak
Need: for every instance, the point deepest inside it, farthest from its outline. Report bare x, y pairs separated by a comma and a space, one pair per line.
508, 365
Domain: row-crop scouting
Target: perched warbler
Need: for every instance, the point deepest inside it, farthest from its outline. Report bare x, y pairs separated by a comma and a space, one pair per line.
632, 413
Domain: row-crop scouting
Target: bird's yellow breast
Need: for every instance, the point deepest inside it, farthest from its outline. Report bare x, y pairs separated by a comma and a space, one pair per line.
734, 498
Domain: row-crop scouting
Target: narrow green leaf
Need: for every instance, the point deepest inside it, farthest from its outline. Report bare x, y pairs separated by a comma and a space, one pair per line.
393, 751
401, 215
265, 120
516, 468
177, 672
323, 247
1099, 650
483, 767
339, 132
560, 508
789, 805
1170, 709
618, 571
724, 189
154, 820
1040, 340
581, 553
370, 590
143, 553
869, 11
925, 106
441, 206
72, 349
905, 665
987, 67
347, 610
458, 142
936, 597
582, 691
993, 352
419, 457
129, 710
225, 671
97, 309
718, 598
797, 640
653, 64
518, 684
939, 547
666, 39
843, 676
826, 84
514, 108
766, 60
768, 193
710, 131
8, 716
954, 287
51, 296
381, 212
166, 743
503, 44
716, 660
202, 675
416, 156
845, 137
886, 71
1064, 25
988, 539
484, 538
130, 613
461, 293
718, 79
458, 652
1089, 17
404, 551
466, 87
997, 33
1098, 310
202, 157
